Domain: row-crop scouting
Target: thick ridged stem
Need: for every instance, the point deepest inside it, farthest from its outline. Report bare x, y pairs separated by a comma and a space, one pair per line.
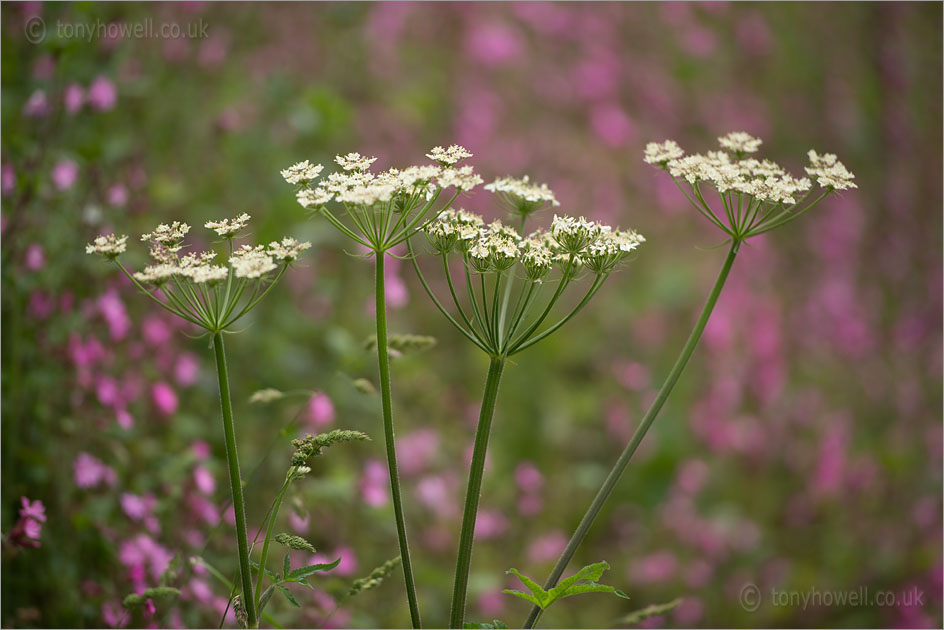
474, 490
235, 481
383, 359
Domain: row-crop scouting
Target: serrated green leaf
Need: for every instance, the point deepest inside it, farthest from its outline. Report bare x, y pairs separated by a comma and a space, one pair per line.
653, 610
255, 566
266, 596
495, 624
304, 572
591, 587
286, 565
288, 595
539, 593
591, 572
527, 596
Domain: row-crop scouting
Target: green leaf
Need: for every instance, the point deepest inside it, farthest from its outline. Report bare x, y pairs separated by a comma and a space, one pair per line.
295, 542
496, 623
528, 596
652, 610
266, 596
288, 595
286, 565
591, 572
539, 593
304, 572
592, 587
255, 565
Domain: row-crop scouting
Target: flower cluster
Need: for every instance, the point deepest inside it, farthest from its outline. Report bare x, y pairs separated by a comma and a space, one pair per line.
167, 235
302, 172
385, 207
228, 228
502, 315
28, 529
186, 279
522, 196
571, 242
740, 142
829, 172
447, 157
108, 245
765, 180
757, 195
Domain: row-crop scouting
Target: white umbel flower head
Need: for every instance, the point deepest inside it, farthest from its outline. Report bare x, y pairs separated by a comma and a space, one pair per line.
662, 153
610, 248
228, 228
287, 249
536, 257
157, 274
496, 248
251, 262
208, 274
443, 233
740, 142
167, 234
192, 261
522, 195
308, 197
462, 179
302, 172
829, 171
447, 157
573, 235
354, 162
108, 245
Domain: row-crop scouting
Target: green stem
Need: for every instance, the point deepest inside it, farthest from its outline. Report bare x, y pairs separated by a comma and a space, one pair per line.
383, 359
587, 521
273, 513
236, 485
473, 492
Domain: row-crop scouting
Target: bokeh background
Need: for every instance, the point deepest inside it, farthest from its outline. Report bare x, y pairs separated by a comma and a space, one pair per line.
800, 452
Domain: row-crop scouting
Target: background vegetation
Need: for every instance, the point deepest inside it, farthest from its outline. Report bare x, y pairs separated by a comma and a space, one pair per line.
802, 449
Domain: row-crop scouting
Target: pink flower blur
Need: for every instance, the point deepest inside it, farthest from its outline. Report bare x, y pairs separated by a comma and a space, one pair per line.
164, 398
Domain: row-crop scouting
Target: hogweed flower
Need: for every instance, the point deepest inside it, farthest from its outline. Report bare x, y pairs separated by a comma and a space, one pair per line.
380, 210
755, 196
191, 286
228, 228
501, 315
387, 207
522, 196
213, 297
507, 278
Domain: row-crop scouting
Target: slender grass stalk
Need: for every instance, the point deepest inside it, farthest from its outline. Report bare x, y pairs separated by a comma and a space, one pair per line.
383, 360
613, 477
232, 462
473, 492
